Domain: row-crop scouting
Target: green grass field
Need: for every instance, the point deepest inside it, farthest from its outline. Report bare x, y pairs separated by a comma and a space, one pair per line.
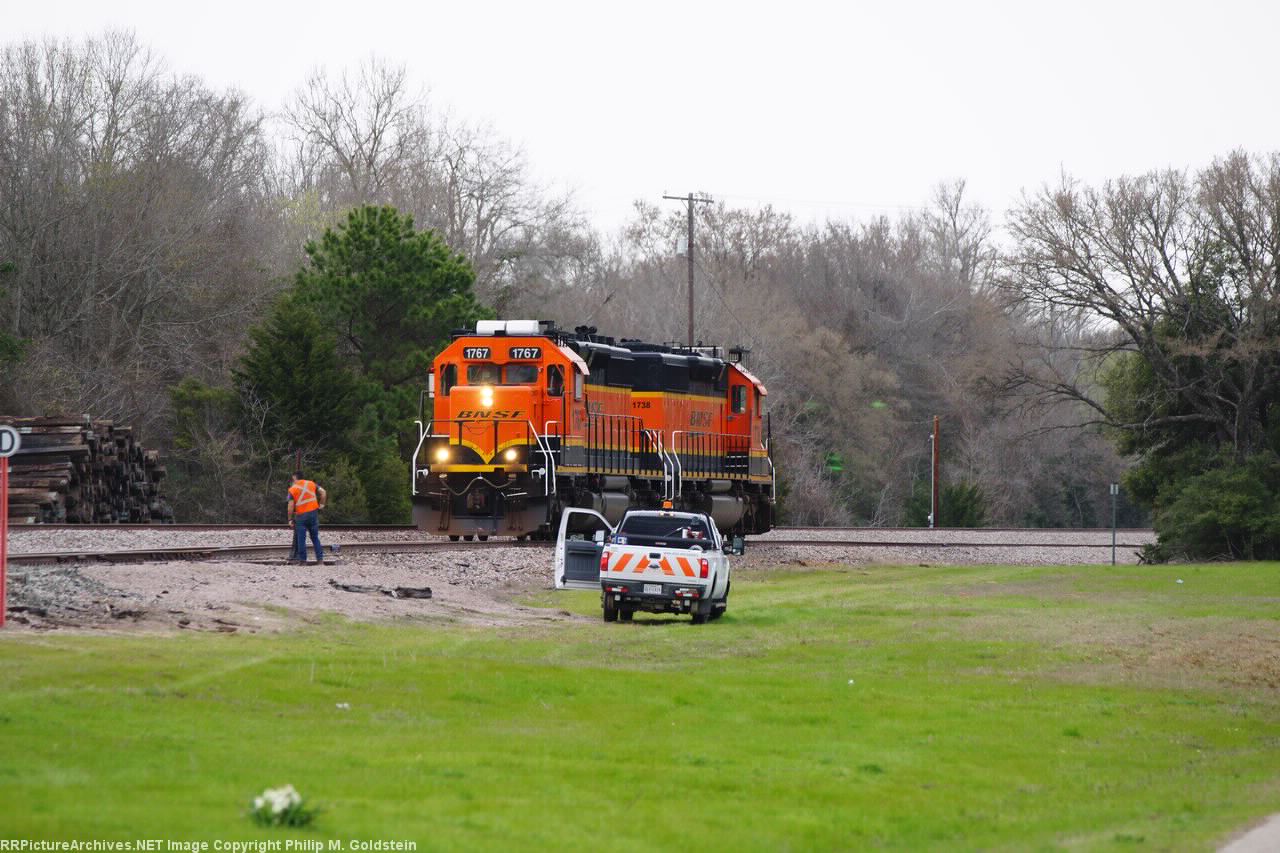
913, 708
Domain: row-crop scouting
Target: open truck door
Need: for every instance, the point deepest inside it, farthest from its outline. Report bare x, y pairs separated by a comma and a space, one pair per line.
578, 548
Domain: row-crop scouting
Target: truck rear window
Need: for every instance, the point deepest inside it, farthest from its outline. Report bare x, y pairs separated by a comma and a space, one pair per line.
665, 531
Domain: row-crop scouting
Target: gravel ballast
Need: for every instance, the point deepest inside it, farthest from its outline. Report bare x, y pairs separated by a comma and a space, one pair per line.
469, 584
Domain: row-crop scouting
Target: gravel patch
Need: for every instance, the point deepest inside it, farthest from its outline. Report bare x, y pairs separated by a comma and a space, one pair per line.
228, 596
469, 584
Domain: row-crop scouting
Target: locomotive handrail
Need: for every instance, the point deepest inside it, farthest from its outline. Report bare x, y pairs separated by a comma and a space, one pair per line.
549, 481
668, 467
677, 475
413, 471
609, 449
717, 446
773, 473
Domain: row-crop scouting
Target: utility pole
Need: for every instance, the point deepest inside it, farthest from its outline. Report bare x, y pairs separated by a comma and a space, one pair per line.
701, 198
933, 473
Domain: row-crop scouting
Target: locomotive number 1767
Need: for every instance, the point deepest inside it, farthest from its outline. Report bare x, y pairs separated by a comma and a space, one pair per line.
527, 353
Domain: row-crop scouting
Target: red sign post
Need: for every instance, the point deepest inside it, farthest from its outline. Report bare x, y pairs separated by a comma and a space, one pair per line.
4, 535
10, 441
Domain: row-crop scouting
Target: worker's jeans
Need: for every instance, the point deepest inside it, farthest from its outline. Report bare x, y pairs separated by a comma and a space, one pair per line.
304, 523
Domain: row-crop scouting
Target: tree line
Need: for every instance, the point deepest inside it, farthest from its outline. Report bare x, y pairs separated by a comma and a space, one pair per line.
174, 256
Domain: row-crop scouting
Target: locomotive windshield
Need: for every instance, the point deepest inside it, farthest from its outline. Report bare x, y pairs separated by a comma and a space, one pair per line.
482, 374
512, 374
520, 374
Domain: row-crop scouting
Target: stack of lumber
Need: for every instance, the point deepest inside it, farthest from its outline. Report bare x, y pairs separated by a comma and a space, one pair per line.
82, 471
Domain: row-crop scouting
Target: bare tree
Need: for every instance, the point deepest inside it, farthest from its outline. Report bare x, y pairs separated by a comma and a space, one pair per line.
369, 137
1181, 271
130, 219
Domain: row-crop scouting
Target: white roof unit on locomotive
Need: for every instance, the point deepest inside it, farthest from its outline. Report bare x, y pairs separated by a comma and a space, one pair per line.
513, 327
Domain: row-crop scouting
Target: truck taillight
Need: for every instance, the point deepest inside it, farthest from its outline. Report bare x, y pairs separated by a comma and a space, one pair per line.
604, 561
704, 568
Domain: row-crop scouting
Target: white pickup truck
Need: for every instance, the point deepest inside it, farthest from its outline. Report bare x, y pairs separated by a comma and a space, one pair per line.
660, 561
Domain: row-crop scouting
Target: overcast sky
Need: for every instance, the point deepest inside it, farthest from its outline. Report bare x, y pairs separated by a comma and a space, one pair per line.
826, 109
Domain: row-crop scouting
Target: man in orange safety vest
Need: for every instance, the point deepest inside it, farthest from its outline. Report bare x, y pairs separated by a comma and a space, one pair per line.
306, 499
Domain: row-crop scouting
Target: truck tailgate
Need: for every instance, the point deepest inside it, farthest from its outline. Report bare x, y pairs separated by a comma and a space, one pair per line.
656, 565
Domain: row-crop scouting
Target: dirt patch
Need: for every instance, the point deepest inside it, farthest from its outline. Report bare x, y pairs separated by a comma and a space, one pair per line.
476, 587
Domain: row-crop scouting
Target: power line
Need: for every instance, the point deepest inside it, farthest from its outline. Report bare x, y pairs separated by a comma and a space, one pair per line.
810, 202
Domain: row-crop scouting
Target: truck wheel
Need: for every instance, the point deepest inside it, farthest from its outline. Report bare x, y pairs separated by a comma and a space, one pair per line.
701, 612
718, 609
609, 607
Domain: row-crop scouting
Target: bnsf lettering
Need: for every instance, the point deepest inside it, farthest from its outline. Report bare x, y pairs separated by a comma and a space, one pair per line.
525, 352
595, 407
700, 419
495, 414
475, 352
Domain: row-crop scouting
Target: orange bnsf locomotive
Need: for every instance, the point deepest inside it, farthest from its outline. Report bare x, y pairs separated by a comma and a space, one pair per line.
527, 420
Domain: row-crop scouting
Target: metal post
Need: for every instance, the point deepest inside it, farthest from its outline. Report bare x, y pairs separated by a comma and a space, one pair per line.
4, 535
933, 474
1115, 490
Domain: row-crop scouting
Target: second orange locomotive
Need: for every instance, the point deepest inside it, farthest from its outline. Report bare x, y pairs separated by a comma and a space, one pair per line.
527, 419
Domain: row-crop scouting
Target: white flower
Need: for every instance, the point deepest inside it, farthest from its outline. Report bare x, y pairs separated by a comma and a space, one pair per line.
279, 799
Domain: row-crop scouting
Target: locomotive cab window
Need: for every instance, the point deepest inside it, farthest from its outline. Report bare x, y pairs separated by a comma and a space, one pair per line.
555, 380
448, 378
739, 399
482, 374
520, 374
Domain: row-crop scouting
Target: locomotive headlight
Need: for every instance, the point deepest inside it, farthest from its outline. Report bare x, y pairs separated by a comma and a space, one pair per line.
442, 454
511, 454
486, 396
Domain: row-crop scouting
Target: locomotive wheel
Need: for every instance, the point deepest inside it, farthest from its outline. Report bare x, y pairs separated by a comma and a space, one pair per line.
468, 537
453, 537
483, 537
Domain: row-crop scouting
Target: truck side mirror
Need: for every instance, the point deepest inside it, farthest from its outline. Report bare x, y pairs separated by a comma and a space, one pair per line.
598, 537
739, 545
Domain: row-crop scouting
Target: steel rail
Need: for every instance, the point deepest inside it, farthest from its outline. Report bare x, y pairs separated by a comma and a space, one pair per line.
349, 528
226, 552
1106, 530
858, 543
387, 528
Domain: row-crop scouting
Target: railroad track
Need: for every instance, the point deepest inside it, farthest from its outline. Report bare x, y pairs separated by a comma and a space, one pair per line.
393, 528
249, 552
273, 551
353, 528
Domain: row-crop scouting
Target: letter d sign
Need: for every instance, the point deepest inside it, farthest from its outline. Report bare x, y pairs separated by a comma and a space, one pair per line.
10, 441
